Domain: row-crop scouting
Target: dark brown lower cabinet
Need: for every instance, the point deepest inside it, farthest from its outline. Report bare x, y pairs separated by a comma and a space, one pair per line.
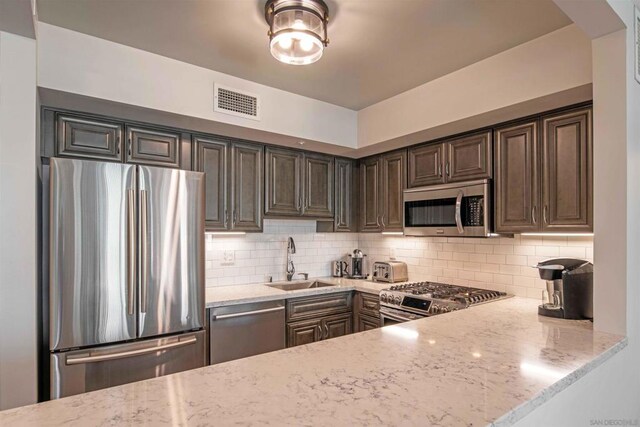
366, 311
366, 323
317, 318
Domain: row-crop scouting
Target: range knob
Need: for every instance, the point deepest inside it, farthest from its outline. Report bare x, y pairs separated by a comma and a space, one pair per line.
383, 297
398, 300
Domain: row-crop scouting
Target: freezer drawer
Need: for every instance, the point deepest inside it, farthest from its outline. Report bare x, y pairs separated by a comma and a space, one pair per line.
245, 330
79, 371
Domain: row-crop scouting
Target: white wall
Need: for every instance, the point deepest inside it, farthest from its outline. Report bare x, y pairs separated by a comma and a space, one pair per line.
18, 264
555, 62
78, 63
611, 394
501, 264
265, 254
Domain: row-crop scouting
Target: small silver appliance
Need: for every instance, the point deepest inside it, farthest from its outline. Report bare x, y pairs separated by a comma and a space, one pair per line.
357, 265
390, 271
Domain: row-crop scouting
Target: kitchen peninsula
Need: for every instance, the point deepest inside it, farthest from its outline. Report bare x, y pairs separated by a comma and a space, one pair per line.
493, 363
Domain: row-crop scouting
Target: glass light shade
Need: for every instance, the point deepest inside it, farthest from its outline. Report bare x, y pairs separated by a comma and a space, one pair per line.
298, 35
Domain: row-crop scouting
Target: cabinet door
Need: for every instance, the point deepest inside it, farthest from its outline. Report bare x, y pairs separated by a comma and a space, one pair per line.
469, 158
517, 207
88, 138
282, 179
304, 332
370, 199
393, 182
318, 186
246, 187
159, 147
336, 326
567, 172
366, 323
211, 158
425, 165
346, 202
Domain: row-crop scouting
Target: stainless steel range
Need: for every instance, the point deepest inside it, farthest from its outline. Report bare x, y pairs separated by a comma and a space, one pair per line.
411, 301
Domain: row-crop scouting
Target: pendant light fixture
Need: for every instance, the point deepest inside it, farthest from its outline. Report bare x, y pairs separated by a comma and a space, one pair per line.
297, 30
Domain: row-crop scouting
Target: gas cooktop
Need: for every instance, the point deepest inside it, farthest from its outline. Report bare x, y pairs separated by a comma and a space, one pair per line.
430, 298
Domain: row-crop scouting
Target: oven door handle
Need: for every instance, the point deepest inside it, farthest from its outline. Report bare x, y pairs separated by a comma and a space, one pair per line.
397, 318
459, 212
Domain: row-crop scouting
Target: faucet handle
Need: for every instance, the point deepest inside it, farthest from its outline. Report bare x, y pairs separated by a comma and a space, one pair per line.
306, 275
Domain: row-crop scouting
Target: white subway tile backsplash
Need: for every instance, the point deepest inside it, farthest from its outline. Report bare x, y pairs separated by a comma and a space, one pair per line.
496, 263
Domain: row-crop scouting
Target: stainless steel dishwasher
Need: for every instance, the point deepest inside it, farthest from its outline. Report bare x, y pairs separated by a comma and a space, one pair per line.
244, 330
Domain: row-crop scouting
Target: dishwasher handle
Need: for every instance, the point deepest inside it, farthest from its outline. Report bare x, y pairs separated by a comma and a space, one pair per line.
245, 313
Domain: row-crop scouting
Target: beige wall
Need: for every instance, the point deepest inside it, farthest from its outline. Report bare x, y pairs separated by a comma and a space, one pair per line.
553, 63
18, 227
107, 70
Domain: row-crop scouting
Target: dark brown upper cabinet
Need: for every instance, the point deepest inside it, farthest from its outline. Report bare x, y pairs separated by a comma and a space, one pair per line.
346, 200
517, 205
394, 181
85, 137
469, 157
153, 146
382, 182
298, 184
233, 184
426, 165
247, 179
318, 185
370, 189
283, 186
211, 157
567, 171
544, 182
461, 159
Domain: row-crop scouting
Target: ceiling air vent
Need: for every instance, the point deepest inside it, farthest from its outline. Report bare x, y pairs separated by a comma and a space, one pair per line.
236, 102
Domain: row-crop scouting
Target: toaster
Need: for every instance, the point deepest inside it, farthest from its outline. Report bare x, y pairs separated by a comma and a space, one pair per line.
390, 271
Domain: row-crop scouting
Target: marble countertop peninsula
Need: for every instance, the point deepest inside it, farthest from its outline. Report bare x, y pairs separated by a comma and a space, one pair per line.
238, 294
488, 365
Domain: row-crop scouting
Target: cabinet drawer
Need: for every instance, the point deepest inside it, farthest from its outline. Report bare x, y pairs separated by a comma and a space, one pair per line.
366, 323
153, 146
318, 306
368, 304
88, 138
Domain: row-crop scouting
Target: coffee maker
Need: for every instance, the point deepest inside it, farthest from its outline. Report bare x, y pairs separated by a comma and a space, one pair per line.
357, 266
569, 292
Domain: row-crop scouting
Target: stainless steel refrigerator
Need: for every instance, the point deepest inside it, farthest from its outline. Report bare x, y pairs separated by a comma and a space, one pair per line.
126, 274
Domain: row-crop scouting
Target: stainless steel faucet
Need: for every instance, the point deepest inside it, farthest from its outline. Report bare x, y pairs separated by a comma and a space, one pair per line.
291, 249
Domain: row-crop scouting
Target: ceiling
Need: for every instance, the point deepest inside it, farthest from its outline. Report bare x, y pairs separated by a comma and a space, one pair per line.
378, 48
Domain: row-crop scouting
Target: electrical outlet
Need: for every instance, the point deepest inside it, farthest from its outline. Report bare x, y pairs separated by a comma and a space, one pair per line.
229, 257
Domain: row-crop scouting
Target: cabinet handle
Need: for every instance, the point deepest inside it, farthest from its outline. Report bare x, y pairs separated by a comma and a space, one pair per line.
320, 331
129, 143
440, 170
544, 214
446, 169
378, 221
382, 221
226, 217
534, 214
235, 217
118, 146
326, 331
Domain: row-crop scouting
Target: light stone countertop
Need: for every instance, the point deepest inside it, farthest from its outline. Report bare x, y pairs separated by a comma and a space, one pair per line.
489, 364
239, 294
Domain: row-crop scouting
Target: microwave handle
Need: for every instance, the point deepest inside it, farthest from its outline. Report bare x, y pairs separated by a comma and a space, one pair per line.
459, 212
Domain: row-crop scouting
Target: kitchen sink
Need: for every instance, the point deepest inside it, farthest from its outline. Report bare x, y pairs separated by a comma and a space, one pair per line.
294, 286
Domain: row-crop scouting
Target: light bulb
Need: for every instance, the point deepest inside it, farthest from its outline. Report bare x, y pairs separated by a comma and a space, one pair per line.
298, 25
306, 45
285, 42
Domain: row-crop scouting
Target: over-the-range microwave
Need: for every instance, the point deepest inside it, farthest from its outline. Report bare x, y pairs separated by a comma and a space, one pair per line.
458, 209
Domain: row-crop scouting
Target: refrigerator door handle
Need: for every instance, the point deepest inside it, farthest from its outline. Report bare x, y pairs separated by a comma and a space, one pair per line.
78, 360
131, 250
144, 267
